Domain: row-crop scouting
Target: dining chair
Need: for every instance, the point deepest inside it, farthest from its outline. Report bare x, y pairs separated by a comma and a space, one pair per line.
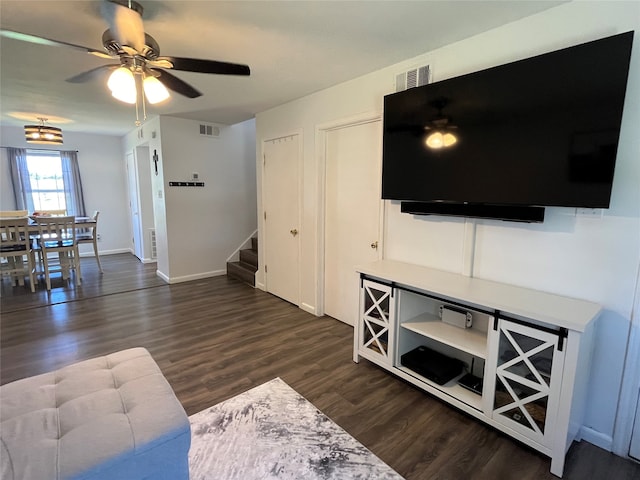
15, 244
12, 213
91, 236
58, 235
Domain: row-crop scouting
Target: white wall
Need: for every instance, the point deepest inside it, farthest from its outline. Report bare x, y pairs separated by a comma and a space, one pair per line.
198, 228
586, 257
103, 182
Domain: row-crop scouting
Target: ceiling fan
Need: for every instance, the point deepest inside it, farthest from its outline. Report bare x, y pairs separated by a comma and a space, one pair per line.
138, 53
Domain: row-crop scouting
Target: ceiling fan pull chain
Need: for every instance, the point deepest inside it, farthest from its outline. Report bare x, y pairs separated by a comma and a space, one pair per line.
144, 104
137, 112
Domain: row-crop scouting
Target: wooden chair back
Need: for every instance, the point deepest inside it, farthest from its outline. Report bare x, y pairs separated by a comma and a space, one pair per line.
12, 213
14, 245
14, 234
58, 235
90, 235
57, 232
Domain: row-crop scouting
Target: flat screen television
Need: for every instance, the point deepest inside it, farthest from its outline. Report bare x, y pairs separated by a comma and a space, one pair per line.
537, 132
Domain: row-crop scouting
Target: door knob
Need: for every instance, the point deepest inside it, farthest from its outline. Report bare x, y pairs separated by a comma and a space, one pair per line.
374, 245
293, 232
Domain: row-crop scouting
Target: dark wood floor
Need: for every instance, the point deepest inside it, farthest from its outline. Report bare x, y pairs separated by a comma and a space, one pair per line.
121, 273
216, 338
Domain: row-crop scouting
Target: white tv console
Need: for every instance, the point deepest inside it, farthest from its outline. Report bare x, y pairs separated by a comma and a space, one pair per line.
532, 349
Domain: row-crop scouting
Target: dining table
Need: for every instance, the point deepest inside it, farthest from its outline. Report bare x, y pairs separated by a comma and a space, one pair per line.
81, 223
33, 228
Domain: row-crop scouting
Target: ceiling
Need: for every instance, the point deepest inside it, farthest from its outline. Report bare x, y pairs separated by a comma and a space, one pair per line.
294, 48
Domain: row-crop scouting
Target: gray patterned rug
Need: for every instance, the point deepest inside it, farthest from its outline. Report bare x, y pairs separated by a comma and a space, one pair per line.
273, 432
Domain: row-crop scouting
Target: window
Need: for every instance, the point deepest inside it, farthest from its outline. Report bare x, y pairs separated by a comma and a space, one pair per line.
46, 180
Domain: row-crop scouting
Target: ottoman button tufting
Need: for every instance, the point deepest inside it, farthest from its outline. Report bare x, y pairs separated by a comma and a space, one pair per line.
95, 431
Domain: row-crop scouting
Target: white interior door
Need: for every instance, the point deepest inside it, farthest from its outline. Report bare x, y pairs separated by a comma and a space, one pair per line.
281, 199
134, 202
352, 213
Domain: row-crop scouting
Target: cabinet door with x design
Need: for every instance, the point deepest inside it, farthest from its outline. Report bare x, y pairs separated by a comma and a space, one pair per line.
526, 378
377, 314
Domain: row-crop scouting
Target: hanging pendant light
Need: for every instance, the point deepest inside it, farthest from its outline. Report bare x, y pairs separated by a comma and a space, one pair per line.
43, 134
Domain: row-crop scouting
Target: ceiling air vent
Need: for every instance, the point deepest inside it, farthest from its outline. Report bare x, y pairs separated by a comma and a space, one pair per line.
211, 131
416, 77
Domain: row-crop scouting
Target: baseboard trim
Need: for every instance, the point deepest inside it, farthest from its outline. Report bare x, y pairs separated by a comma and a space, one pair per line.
598, 439
196, 276
308, 308
105, 252
261, 286
246, 244
162, 276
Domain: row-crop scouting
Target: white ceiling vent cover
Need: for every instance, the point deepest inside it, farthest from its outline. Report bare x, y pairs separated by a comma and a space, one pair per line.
416, 77
210, 131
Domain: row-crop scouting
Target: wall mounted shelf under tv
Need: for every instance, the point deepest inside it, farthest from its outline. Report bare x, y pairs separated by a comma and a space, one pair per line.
537, 132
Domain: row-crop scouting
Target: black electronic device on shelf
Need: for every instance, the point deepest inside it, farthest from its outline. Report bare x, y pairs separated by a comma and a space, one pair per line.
432, 365
534, 133
471, 382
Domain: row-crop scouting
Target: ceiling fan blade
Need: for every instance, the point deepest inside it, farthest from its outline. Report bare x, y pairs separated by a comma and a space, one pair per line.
91, 74
179, 86
125, 22
26, 37
206, 66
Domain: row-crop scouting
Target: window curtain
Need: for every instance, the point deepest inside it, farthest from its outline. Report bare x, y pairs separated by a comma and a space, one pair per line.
20, 178
72, 184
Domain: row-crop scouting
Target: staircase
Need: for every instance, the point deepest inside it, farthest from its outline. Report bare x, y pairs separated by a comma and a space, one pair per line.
245, 270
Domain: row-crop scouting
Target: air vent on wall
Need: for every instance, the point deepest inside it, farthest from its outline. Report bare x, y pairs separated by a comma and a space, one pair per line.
210, 131
416, 77
152, 242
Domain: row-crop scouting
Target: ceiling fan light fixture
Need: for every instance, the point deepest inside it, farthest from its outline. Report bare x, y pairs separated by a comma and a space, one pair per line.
43, 134
440, 130
440, 139
124, 96
154, 90
122, 85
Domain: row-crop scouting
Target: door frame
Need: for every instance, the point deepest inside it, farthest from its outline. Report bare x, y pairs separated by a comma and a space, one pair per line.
321, 134
134, 190
145, 199
261, 279
630, 388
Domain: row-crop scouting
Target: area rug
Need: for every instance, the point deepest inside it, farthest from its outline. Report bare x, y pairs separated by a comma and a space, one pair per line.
273, 432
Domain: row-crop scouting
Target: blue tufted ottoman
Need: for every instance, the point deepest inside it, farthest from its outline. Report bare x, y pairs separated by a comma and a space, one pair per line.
113, 417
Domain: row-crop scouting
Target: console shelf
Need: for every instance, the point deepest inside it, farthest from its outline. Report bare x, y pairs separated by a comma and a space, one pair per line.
467, 340
450, 388
530, 350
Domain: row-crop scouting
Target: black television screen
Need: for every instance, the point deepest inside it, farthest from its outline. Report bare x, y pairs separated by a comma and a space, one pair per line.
536, 132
